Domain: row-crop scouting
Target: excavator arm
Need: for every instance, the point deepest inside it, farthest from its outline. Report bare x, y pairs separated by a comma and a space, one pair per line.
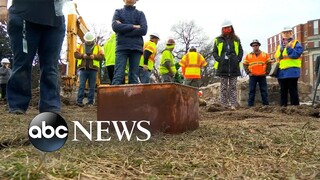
76, 27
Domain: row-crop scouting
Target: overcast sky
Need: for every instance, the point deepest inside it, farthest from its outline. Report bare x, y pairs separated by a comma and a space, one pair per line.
252, 19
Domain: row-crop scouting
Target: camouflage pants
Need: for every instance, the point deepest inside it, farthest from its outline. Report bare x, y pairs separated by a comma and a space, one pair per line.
228, 91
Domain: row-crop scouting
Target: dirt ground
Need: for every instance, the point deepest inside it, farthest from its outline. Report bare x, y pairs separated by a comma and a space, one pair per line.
266, 142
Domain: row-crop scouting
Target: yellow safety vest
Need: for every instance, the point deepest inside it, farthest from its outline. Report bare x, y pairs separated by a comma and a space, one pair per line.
287, 62
166, 54
110, 50
192, 62
95, 63
220, 47
152, 47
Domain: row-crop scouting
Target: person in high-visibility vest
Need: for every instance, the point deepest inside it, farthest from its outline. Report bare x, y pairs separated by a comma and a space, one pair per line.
228, 52
88, 57
147, 59
191, 64
110, 55
167, 68
288, 55
257, 65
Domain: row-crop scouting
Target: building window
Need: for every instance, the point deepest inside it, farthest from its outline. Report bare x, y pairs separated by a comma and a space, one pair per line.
315, 28
316, 44
279, 37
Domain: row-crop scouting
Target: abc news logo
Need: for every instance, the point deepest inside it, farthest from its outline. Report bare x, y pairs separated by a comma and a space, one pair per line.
48, 131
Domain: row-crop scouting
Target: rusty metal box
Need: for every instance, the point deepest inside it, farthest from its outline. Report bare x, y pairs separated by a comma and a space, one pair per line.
170, 107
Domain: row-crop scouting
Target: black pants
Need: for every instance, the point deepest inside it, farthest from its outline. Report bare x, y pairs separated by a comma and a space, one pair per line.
111, 74
289, 85
110, 70
3, 90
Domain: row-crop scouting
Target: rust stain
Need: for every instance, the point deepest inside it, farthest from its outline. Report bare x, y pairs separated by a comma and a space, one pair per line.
170, 108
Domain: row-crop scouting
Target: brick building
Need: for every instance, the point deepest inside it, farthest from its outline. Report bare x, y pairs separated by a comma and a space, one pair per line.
308, 35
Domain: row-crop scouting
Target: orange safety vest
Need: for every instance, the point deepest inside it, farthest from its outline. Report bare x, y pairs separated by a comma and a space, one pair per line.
191, 64
257, 64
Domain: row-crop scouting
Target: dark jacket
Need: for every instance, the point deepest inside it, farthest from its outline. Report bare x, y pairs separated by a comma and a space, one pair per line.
4, 75
316, 69
129, 38
39, 11
227, 67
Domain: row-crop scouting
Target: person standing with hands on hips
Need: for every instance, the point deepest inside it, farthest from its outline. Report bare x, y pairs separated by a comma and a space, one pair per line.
288, 55
130, 25
34, 27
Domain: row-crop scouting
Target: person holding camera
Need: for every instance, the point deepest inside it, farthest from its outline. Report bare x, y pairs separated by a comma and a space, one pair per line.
5, 73
288, 55
228, 52
88, 57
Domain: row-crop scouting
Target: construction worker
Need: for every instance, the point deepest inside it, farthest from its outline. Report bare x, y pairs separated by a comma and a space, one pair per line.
288, 55
5, 73
110, 55
191, 64
88, 57
130, 25
228, 52
147, 59
167, 68
257, 65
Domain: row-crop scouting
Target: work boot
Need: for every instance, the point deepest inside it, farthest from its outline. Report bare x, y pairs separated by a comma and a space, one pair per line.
80, 104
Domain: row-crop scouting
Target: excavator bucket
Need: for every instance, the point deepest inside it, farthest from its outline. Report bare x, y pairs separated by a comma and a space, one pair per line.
169, 107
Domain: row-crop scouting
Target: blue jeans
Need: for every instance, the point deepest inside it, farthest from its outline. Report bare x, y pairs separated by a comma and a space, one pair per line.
46, 41
262, 80
120, 66
144, 75
166, 78
91, 76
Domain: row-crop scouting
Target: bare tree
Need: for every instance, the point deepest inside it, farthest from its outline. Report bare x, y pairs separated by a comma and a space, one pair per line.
101, 33
186, 34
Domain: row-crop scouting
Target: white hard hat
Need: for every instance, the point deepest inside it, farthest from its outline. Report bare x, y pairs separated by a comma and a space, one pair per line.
89, 36
155, 35
226, 23
5, 60
287, 28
